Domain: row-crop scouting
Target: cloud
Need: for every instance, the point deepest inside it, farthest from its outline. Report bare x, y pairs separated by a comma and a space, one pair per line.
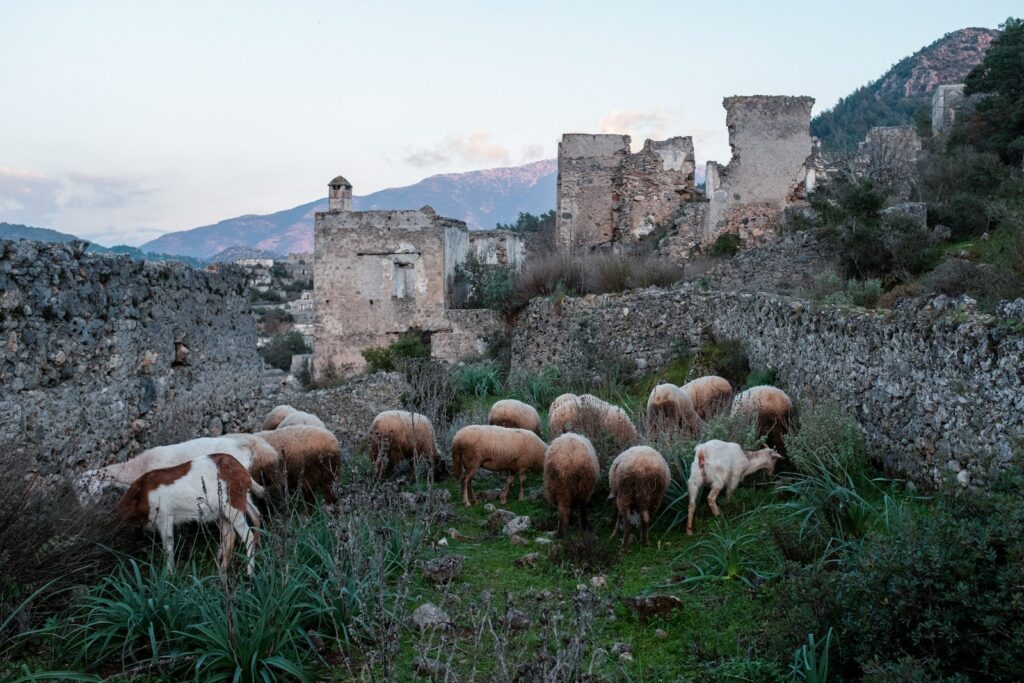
473, 148
532, 152
640, 125
36, 198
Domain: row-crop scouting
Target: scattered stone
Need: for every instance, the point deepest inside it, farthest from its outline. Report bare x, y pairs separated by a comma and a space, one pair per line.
542, 540
545, 595
516, 525
498, 519
443, 569
429, 615
442, 541
599, 581
648, 606
660, 634
527, 560
625, 658
489, 507
619, 649
519, 540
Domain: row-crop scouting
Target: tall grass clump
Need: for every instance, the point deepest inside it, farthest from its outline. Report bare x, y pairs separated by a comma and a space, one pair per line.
827, 436
478, 379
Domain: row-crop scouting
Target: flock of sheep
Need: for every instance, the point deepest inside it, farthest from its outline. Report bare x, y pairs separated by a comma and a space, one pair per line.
215, 479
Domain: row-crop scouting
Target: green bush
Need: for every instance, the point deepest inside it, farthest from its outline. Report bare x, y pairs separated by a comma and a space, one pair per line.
966, 215
478, 379
726, 358
760, 377
486, 285
827, 434
726, 244
278, 351
409, 345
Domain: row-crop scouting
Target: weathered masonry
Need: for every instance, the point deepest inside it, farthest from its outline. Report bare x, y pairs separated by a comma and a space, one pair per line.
378, 274
103, 356
608, 196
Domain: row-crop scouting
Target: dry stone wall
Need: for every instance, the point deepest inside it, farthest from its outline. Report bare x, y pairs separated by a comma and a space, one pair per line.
938, 388
103, 356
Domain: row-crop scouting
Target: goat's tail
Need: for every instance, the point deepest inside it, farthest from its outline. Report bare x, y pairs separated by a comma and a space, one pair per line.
700, 458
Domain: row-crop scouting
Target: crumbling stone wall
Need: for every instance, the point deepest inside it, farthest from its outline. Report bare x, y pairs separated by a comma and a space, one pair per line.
939, 389
498, 247
888, 157
771, 153
948, 102
104, 356
606, 195
378, 274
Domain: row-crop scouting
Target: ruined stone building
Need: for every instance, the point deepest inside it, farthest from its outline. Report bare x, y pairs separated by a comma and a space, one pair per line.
379, 274
948, 102
609, 196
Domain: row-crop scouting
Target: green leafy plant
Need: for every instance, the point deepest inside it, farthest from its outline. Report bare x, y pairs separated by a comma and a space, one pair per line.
810, 660
478, 379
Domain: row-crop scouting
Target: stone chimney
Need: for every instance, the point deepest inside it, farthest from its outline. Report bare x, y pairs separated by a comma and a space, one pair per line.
339, 196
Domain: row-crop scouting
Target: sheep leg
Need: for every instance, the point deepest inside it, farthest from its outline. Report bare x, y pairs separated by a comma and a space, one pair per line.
522, 482
563, 518
584, 524
508, 487
713, 499
692, 508
227, 542
249, 536
615, 528
465, 489
645, 518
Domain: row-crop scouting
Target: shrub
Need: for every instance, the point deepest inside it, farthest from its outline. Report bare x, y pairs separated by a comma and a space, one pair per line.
612, 272
952, 278
760, 377
485, 285
726, 244
561, 273
827, 434
966, 215
409, 345
726, 358
275, 321
538, 389
478, 379
278, 351
864, 293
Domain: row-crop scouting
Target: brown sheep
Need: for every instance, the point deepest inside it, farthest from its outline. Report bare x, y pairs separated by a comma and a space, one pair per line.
310, 456
774, 411
501, 449
597, 418
571, 471
275, 416
638, 478
670, 408
512, 413
397, 435
710, 395
301, 418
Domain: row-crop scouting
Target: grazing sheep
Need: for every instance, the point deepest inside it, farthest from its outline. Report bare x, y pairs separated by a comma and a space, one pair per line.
588, 413
251, 452
669, 407
310, 456
501, 449
275, 416
571, 471
211, 488
560, 400
710, 395
301, 418
774, 411
397, 435
512, 413
638, 479
721, 464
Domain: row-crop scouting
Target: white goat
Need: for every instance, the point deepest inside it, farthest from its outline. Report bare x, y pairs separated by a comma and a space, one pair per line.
212, 488
720, 464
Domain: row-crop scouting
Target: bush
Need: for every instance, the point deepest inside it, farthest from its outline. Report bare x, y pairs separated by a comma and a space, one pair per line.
966, 215
478, 379
278, 351
726, 358
561, 273
275, 322
952, 277
726, 244
484, 285
409, 345
827, 434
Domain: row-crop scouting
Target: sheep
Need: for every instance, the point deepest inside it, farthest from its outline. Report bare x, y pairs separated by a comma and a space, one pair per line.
721, 464
774, 411
571, 471
275, 416
301, 418
397, 435
590, 414
560, 400
211, 488
638, 480
710, 394
253, 453
502, 449
670, 408
512, 413
310, 456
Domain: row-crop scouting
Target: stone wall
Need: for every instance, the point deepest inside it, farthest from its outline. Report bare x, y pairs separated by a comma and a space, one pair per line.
771, 148
948, 102
938, 389
103, 356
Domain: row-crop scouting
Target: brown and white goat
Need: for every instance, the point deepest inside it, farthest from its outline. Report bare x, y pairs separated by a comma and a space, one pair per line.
211, 488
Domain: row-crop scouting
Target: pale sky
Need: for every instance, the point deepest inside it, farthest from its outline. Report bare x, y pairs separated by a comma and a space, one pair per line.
123, 120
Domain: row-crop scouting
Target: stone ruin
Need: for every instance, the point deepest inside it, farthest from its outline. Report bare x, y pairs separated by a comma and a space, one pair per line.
379, 274
948, 102
608, 196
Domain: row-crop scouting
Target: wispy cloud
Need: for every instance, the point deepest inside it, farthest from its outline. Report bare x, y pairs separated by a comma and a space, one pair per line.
657, 124
532, 152
473, 148
32, 197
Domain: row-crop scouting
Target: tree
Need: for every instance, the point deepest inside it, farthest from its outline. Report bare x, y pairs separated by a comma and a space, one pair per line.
997, 124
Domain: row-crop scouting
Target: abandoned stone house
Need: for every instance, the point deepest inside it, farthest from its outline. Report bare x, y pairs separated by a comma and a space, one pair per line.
608, 196
379, 274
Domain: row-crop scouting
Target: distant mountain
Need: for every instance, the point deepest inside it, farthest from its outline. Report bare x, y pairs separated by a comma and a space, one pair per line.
893, 99
481, 198
239, 252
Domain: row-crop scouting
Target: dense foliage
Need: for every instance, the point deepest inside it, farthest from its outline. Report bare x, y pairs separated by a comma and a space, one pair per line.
278, 351
408, 346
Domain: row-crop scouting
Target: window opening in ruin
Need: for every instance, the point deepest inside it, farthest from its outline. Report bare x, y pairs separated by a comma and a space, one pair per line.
403, 279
